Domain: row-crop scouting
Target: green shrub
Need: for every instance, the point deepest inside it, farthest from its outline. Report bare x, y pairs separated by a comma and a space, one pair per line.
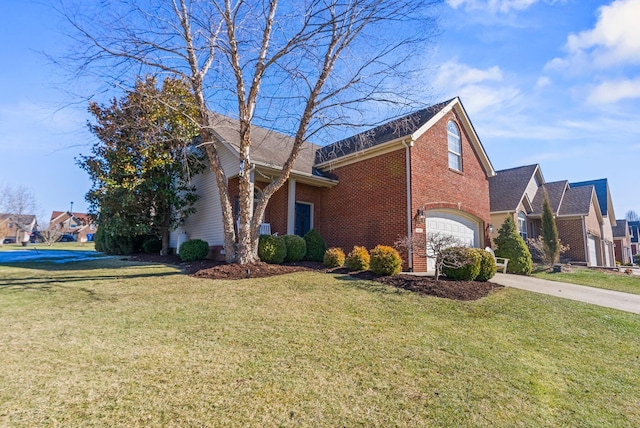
511, 246
487, 266
193, 249
272, 249
358, 259
461, 263
114, 244
385, 261
334, 257
296, 248
315, 246
152, 245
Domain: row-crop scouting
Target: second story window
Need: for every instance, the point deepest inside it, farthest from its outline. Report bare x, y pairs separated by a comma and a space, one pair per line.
455, 146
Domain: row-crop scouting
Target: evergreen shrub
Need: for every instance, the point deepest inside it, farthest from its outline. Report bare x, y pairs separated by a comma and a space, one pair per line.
296, 248
468, 261
193, 249
511, 246
272, 249
333, 258
487, 266
385, 261
315, 246
358, 259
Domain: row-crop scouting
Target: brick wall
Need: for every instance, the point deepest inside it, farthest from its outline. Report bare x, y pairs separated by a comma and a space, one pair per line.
435, 186
369, 205
570, 233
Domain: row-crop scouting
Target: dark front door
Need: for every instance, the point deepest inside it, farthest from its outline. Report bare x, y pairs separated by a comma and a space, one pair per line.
303, 218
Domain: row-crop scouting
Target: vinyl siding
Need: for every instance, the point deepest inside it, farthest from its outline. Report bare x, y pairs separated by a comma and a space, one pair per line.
206, 222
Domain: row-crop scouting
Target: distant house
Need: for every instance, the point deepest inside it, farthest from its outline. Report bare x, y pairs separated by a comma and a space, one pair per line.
622, 242
584, 222
424, 172
17, 227
79, 225
634, 231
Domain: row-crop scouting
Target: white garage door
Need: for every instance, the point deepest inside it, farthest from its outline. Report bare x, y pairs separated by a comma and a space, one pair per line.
593, 255
447, 223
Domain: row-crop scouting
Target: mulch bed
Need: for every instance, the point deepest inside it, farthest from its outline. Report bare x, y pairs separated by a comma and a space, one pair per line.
444, 287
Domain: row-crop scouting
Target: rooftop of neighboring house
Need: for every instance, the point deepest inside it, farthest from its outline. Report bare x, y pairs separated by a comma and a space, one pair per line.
602, 192
621, 229
59, 216
23, 221
576, 201
555, 191
508, 186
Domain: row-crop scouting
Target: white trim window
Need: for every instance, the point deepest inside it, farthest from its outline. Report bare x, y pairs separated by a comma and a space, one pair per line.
455, 146
522, 225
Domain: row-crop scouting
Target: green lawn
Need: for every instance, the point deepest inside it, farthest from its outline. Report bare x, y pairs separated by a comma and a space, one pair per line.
110, 343
593, 278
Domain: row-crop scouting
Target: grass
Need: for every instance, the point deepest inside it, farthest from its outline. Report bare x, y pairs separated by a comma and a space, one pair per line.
110, 343
594, 278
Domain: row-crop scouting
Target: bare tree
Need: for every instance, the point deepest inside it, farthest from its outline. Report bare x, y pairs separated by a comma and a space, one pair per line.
17, 201
298, 65
435, 246
632, 216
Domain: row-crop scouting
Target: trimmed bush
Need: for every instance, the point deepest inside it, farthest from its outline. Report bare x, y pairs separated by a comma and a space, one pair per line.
385, 261
358, 259
152, 245
487, 266
114, 244
467, 258
512, 246
296, 248
193, 249
272, 249
315, 246
333, 258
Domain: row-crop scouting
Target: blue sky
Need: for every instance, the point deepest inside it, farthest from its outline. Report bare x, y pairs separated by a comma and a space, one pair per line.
554, 82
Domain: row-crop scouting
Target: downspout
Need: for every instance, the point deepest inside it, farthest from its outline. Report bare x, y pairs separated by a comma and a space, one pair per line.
408, 146
586, 242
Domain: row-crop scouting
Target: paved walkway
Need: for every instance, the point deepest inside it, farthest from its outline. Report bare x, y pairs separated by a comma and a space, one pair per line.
597, 296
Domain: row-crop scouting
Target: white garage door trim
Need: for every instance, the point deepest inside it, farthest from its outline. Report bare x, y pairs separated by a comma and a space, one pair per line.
452, 223
607, 254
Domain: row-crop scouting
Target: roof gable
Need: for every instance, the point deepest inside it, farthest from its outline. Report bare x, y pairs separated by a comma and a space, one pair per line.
555, 190
406, 129
621, 229
508, 187
605, 203
578, 201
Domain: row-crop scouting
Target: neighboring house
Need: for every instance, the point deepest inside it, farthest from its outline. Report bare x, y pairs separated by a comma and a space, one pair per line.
79, 225
424, 172
605, 203
583, 222
17, 227
634, 231
622, 242
512, 192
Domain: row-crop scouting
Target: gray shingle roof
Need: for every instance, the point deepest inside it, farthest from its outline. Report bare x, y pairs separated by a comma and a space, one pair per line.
389, 131
601, 192
555, 190
576, 201
621, 229
268, 147
507, 187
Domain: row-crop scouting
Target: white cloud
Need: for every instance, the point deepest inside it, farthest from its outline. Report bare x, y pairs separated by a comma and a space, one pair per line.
502, 6
614, 91
615, 39
479, 89
543, 82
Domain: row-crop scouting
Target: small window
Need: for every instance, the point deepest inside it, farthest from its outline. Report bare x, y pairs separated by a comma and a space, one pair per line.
455, 147
522, 225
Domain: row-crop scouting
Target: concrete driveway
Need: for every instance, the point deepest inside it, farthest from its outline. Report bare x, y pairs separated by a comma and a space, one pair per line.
597, 296
55, 256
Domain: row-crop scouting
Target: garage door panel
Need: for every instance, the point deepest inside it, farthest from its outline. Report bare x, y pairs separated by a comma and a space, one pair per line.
462, 228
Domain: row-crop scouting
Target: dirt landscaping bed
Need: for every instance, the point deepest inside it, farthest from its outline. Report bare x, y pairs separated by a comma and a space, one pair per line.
444, 287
